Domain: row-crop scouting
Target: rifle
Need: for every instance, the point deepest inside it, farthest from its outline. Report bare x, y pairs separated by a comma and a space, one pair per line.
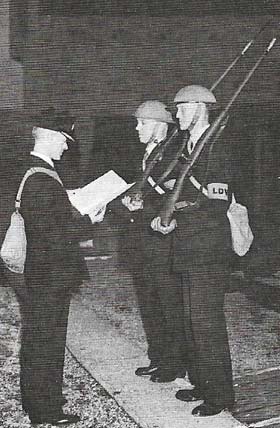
212, 133
180, 151
136, 190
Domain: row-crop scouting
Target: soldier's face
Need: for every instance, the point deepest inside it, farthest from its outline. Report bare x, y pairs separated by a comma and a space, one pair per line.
185, 114
146, 129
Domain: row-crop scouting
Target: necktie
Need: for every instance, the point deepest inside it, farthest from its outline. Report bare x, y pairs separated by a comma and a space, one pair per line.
146, 155
190, 145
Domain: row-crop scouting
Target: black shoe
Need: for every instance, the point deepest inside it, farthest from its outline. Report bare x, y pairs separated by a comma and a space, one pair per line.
60, 419
146, 371
166, 375
188, 395
207, 410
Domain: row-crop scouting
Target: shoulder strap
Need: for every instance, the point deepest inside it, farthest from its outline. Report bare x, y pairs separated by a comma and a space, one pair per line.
199, 186
202, 189
30, 172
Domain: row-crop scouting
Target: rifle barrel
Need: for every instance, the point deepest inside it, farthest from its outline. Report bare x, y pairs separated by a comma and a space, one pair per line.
239, 56
213, 132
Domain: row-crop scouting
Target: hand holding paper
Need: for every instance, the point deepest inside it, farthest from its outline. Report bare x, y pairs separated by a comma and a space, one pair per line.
132, 204
97, 216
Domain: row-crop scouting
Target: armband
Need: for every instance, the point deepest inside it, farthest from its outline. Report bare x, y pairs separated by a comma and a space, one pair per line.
218, 191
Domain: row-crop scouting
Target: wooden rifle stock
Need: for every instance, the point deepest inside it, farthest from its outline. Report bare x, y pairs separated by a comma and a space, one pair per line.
213, 132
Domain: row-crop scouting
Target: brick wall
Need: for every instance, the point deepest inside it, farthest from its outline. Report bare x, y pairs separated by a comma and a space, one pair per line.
110, 64
102, 66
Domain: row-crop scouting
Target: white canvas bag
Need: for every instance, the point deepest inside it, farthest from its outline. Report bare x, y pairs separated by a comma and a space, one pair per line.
241, 233
13, 249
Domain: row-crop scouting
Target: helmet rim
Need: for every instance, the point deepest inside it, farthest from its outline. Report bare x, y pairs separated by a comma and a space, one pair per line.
153, 110
194, 94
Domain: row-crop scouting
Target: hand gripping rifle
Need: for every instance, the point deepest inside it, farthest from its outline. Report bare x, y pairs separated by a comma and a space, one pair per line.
212, 134
136, 191
185, 138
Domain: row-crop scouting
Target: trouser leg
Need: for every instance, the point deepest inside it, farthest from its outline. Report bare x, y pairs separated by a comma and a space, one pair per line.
191, 359
44, 325
161, 297
169, 291
212, 369
151, 314
23, 301
59, 344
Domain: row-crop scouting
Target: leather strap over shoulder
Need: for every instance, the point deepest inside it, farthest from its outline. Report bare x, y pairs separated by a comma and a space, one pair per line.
30, 172
198, 185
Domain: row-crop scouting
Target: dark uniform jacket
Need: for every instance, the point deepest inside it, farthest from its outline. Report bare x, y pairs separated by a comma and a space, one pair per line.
53, 255
203, 235
156, 248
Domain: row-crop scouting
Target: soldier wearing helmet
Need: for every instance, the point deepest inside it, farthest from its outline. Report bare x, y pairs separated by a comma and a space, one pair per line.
159, 299
153, 119
154, 110
201, 250
191, 102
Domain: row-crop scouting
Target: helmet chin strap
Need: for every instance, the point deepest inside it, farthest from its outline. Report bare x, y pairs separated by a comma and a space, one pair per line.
152, 140
196, 117
159, 133
200, 117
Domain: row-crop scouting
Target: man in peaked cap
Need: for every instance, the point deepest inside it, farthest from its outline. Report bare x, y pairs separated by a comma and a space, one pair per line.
159, 297
59, 121
54, 269
68, 167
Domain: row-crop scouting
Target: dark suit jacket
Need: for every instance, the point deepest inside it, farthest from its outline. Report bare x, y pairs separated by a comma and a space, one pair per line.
53, 255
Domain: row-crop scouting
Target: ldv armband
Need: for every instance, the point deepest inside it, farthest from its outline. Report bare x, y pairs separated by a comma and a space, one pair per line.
218, 191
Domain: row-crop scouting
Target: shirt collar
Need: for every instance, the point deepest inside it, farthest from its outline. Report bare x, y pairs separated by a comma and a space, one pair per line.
196, 133
43, 157
150, 147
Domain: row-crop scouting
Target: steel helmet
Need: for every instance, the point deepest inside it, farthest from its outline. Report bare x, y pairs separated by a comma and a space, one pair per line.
154, 110
195, 94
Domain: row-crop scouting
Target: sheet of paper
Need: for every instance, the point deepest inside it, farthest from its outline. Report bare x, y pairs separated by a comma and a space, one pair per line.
98, 193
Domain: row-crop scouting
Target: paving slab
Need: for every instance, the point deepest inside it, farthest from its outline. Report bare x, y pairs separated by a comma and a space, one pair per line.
111, 358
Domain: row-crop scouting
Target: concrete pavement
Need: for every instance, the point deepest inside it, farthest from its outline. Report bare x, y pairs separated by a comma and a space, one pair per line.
111, 357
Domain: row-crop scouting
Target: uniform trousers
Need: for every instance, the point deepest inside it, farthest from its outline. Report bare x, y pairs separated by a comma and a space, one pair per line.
209, 362
44, 317
160, 302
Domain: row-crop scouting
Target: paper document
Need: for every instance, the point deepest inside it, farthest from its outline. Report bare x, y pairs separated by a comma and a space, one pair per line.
98, 193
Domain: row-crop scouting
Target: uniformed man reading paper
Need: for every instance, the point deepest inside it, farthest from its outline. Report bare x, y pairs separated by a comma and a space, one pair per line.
54, 269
